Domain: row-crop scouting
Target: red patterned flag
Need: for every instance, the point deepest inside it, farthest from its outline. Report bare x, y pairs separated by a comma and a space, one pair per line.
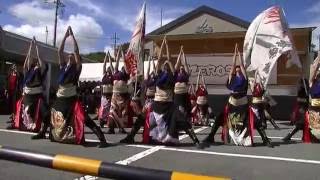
273, 15
134, 55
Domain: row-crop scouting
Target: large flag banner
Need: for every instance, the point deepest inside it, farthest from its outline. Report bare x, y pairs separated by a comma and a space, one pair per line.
134, 56
267, 38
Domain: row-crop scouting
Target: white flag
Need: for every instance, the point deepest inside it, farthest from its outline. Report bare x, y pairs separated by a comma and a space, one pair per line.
267, 38
134, 55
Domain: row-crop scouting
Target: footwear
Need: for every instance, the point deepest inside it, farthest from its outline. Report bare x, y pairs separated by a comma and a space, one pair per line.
198, 146
202, 145
122, 131
169, 139
102, 123
268, 143
265, 139
193, 136
288, 137
134, 130
103, 145
128, 140
111, 131
10, 127
209, 139
97, 130
40, 135
11, 119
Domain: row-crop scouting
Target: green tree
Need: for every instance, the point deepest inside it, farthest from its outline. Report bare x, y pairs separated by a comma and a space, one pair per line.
125, 46
95, 56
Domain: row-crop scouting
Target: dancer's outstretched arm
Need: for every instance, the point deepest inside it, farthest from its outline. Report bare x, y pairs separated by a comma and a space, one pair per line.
61, 57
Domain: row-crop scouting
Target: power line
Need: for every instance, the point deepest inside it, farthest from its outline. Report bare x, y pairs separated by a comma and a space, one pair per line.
47, 34
115, 38
95, 37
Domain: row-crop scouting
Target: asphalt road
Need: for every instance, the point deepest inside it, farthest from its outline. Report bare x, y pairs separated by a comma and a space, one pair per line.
285, 161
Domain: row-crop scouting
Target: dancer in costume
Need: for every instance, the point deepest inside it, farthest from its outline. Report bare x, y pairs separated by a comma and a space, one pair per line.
68, 116
193, 102
31, 109
106, 91
162, 108
257, 115
308, 118
142, 112
234, 119
302, 100
165, 117
202, 112
268, 103
181, 100
13, 89
236, 124
120, 112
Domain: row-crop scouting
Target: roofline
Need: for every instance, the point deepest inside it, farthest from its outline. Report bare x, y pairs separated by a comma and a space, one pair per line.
195, 13
40, 43
312, 28
28, 39
215, 35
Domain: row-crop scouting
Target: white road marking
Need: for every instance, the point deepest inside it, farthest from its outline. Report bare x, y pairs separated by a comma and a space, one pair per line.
47, 135
307, 161
143, 154
140, 155
140, 146
180, 138
279, 122
234, 155
195, 131
278, 137
17, 132
152, 150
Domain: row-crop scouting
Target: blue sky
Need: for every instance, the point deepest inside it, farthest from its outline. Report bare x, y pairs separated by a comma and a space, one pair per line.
95, 21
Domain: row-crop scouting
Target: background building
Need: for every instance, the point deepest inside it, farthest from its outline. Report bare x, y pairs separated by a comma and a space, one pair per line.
14, 48
209, 36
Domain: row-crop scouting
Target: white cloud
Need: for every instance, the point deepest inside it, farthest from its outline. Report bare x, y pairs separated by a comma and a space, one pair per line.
34, 24
32, 12
110, 49
169, 14
87, 4
126, 17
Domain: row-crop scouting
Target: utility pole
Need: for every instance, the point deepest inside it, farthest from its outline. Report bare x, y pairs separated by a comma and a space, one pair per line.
115, 38
58, 5
319, 42
161, 17
47, 34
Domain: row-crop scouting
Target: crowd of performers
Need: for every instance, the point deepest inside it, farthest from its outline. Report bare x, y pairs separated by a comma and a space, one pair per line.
163, 102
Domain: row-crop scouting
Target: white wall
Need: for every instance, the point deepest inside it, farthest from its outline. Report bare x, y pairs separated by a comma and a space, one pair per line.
217, 25
216, 68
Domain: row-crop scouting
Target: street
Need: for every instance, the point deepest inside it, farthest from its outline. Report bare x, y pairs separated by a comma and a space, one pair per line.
284, 161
